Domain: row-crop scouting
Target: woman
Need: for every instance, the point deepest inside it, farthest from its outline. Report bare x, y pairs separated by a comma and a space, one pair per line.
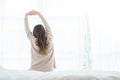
42, 48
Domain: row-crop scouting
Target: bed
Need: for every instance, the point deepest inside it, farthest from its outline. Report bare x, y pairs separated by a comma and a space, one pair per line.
58, 75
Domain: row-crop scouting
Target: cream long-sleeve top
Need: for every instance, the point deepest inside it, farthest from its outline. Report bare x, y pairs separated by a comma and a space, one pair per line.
40, 62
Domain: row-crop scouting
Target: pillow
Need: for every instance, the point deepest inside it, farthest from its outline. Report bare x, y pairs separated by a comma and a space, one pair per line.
1, 68
3, 74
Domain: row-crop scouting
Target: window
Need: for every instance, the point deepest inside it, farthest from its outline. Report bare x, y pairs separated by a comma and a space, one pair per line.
86, 33
104, 22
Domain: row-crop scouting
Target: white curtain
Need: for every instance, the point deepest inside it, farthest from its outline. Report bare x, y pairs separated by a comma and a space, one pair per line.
104, 23
97, 44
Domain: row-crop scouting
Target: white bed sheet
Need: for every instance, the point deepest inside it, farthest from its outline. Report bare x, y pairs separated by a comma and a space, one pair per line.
58, 75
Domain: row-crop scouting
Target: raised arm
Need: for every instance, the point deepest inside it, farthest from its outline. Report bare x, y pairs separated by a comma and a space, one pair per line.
27, 29
47, 27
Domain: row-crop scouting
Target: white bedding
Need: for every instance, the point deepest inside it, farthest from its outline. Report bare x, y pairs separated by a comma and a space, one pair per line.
58, 75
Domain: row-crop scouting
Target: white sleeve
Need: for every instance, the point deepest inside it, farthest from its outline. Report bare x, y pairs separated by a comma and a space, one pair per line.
29, 33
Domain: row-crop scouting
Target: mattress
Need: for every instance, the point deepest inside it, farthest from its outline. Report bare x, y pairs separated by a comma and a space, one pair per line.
58, 75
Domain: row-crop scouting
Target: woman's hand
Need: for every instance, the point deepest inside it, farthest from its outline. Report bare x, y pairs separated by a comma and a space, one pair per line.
33, 12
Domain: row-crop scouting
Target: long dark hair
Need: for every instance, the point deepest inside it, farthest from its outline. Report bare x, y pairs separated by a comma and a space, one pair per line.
40, 33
